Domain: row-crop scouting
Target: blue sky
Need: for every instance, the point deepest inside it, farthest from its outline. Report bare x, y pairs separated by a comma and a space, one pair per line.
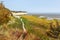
34, 6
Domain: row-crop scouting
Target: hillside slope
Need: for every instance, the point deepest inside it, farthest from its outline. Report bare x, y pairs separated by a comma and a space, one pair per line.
39, 26
37, 29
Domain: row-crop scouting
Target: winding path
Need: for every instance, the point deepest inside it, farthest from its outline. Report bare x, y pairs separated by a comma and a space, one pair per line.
23, 27
24, 31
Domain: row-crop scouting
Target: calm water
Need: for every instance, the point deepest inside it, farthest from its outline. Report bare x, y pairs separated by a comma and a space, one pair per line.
56, 15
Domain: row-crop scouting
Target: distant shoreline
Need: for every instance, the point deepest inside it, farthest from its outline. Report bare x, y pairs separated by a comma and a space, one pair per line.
47, 15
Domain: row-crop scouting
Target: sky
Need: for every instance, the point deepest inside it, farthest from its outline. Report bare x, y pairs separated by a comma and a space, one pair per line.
33, 6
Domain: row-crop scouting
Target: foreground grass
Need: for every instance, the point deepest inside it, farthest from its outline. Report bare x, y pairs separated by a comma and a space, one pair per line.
39, 26
36, 29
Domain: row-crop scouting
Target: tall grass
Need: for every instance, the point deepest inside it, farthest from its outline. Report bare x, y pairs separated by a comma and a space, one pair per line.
35, 32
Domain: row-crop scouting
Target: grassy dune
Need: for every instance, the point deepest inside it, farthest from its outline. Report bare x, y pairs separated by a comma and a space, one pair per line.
36, 29
39, 26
